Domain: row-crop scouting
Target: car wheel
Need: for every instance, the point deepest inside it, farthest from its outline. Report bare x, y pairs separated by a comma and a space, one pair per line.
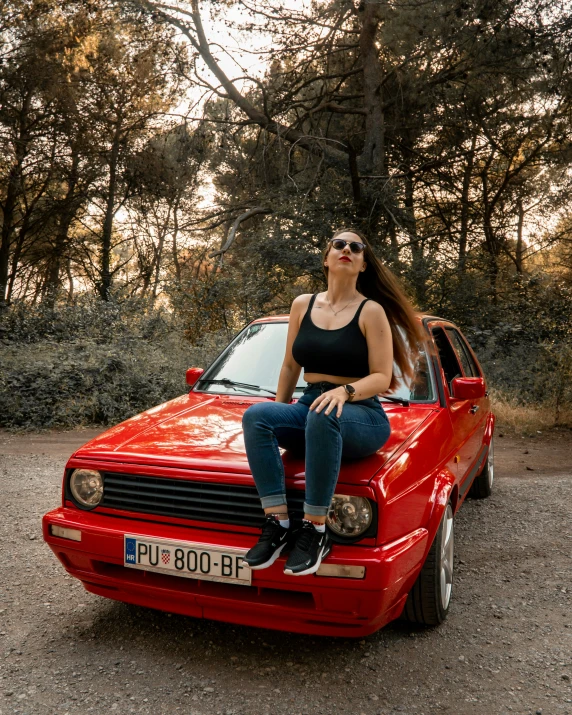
429, 599
482, 486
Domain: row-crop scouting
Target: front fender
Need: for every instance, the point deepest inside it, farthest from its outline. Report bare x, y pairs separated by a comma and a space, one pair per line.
443, 491
420, 506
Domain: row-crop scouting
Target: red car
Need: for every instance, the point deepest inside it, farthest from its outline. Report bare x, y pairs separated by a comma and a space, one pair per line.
159, 510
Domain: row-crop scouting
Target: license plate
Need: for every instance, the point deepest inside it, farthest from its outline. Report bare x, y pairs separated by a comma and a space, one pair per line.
184, 558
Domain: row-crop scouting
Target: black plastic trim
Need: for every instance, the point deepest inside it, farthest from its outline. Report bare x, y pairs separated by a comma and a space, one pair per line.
474, 471
207, 502
435, 362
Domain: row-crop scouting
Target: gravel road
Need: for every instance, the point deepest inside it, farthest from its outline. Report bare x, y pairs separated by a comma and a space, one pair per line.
506, 646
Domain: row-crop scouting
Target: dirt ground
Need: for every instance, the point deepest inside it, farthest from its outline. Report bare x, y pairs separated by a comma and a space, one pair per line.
506, 646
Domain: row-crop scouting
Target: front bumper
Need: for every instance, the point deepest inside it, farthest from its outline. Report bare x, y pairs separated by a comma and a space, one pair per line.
320, 605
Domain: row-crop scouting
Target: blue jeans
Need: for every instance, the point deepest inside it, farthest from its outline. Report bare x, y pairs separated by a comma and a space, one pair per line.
361, 430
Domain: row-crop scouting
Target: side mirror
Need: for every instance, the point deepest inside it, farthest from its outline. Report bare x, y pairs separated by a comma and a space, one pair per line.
193, 374
468, 388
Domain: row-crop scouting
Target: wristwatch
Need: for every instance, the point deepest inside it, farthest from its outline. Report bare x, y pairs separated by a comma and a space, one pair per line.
351, 390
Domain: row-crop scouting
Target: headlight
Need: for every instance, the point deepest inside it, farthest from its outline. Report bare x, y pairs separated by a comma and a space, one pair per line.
86, 485
349, 516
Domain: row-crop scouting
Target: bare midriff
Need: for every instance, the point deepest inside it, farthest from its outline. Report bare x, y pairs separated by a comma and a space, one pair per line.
312, 377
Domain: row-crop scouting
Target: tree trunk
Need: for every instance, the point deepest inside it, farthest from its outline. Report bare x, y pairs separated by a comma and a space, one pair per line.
393, 242
372, 159
419, 264
519, 258
23, 293
67, 213
104, 285
5, 247
175, 236
54, 267
39, 288
491, 243
467, 175
234, 228
70, 280
15, 260
158, 260
491, 247
9, 207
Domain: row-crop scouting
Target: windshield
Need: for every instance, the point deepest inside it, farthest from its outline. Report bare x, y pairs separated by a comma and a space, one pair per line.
255, 356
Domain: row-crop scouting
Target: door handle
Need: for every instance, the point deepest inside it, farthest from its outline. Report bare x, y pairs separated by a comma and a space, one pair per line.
473, 409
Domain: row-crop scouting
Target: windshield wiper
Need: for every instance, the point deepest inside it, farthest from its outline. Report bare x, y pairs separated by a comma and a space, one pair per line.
398, 400
232, 383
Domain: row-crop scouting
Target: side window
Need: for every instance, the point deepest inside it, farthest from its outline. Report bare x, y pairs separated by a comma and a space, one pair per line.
447, 356
463, 353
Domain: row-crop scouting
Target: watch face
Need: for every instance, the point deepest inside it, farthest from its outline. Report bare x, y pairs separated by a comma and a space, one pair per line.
350, 389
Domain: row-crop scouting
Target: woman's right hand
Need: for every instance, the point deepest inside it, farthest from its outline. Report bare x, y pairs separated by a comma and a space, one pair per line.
331, 400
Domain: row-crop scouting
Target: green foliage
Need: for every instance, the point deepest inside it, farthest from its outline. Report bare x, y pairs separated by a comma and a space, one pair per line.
92, 364
82, 88
71, 384
87, 319
523, 338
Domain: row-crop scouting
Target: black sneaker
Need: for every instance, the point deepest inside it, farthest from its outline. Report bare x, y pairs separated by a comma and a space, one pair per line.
270, 544
312, 547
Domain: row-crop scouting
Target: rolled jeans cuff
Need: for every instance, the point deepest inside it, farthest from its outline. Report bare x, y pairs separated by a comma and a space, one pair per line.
316, 510
273, 500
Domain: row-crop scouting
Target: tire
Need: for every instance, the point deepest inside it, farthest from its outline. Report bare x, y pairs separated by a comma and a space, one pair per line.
482, 486
429, 599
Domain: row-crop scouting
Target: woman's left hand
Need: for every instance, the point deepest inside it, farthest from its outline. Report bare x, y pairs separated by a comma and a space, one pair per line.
332, 399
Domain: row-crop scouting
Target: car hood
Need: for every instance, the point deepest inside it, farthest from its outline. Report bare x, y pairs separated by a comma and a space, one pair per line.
202, 431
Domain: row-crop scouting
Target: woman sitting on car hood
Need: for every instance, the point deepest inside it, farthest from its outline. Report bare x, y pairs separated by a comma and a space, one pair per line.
346, 340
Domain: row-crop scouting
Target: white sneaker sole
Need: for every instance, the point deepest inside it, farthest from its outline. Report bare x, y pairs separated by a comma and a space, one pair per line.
270, 561
311, 569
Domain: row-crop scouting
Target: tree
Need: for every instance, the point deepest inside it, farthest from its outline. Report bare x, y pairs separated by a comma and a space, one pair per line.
81, 89
27, 92
416, 121
130, 86
165, 176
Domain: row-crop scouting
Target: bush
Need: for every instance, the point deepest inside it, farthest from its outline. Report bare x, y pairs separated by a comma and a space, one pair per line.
94, 364
523, 339
99, 363
88, 318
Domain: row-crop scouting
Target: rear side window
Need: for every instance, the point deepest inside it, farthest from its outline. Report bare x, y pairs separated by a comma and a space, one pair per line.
469, 365
447, 356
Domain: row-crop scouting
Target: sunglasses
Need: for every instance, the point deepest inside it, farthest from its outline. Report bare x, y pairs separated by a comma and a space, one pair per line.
355, 246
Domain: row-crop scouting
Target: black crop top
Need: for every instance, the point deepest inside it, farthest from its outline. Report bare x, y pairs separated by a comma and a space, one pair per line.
342, 351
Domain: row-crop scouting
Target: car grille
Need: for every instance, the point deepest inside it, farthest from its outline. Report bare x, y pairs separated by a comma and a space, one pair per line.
198, 501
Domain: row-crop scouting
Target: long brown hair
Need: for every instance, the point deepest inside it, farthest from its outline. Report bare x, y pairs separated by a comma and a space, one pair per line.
378, 283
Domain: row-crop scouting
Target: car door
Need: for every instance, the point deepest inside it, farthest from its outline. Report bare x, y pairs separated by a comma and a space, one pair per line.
463, 420
479, 407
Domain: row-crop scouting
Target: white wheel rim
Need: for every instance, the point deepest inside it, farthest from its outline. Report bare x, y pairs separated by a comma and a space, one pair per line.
446, 571
491, 463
